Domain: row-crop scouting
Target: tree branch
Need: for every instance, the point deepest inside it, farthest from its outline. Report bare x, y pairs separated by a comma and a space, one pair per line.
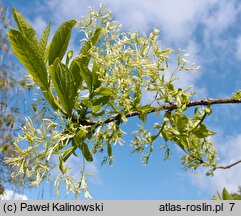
172, 107
169, 108
154, 109
229, 166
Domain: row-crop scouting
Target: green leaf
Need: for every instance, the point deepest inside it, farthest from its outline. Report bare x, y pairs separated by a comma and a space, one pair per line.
95, 67
79, 66
46, 53
237, 95
24, 26
64, 84
181, 122
219, 195
96, 81
96, 108
86, 75
61, 165
225, 194
69, 56
109, 150
86, 152
202, 131
165, 135
59, 44
103, 91
181, 144
214, 198
51, 100
137, 97
95, 114
75, 70
29, 56
84, 52
86, 102
44, 40
80, 134
99, 102
68, 152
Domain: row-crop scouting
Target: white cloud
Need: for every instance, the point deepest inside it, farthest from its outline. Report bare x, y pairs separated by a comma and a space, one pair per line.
231, 148
229, 151
221, 17
73, 9
11, 195
229, 179
177, 19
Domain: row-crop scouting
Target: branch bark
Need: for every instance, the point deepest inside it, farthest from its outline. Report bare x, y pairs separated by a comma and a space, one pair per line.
229, 166
174, 106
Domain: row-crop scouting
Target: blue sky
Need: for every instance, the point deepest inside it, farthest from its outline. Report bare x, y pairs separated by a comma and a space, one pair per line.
210, 31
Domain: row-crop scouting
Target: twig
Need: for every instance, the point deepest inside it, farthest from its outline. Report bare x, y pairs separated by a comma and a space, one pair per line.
229, 166
174, 106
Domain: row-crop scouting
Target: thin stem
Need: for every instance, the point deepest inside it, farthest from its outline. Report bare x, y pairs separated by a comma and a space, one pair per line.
229, 166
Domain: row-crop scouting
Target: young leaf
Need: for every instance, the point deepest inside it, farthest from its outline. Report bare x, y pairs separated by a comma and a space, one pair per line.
79, 66
80, 135
225, 194
29, 56
51, 100
202, 131
75, 70
24, 26
237, 95
64, 84
96, 108
44, 40
219, 196
69, 56
109, 150
46, 53
86, 75
165, 135
103, 91
68, 152
95, 67
61, 165
96, 81
59, 44
99, 102
86, 152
